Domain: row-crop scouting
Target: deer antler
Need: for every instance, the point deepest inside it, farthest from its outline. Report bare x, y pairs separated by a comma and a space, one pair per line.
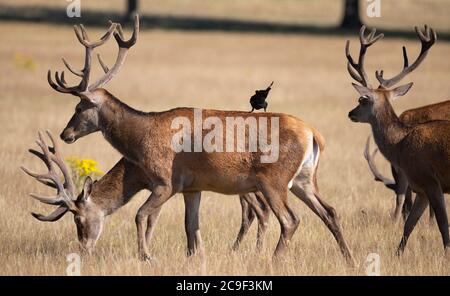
356, 70
65, 191
124, 45
376, 173
427, 38
83, 38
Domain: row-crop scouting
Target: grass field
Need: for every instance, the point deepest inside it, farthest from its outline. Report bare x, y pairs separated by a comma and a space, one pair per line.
210, 70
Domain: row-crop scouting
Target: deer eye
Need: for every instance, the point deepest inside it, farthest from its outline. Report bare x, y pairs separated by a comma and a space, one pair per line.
78, 220
364, 100
78, 110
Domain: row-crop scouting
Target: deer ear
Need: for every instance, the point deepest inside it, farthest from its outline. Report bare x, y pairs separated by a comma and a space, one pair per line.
401, 90
363, 91
87, 189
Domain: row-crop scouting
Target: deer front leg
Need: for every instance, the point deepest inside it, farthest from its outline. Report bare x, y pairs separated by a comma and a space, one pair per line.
437, 201
401, 191
192, 224
150, 208
431, 217
419, 206
408, 204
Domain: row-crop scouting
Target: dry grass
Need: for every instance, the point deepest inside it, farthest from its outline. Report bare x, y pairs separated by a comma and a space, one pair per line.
168, 69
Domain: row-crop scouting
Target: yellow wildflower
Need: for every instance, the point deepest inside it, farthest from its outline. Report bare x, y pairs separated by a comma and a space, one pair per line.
25, 62
81, 168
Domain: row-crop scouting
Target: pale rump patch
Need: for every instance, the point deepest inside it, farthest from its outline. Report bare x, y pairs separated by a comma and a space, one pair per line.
310, 159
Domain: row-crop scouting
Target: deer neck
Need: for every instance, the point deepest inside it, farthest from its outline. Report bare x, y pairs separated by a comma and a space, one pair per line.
119, 124
388, 131
118, 186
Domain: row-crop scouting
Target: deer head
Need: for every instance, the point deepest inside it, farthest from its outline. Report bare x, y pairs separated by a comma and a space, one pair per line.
85, 119
88, 217
374, 100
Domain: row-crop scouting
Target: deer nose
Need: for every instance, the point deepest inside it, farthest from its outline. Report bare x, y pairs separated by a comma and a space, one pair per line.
352, 116
67, 137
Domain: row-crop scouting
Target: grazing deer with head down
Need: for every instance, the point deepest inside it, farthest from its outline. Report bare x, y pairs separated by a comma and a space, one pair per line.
438, 111
115, 189
146, 140
422, 151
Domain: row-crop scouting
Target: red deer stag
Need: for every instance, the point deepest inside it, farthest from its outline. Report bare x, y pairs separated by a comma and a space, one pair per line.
422, 151
147, 139
114, 190
438, 111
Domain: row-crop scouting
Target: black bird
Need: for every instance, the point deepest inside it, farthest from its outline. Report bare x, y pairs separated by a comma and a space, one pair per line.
258, 100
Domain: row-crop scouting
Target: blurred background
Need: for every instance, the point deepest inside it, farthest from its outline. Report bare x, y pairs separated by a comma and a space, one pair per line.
215, 54
247, 15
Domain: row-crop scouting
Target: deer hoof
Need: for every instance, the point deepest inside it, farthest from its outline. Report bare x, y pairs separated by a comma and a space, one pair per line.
145, 257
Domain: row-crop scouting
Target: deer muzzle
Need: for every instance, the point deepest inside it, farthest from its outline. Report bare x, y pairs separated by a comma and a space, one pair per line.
68, 136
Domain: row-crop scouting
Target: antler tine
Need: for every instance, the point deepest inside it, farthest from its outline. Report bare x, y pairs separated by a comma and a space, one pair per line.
59, 160
119, 36
427, 38
55, 215
362, 38
52, 175
405, 57
83, 32
60, 80
104, 66
56, 86
55, 200
50, 155
63, 79
28, 172
351, 65
123, 50
83, 38
376, 173
356, 70
42, 178
71, 69
40, 156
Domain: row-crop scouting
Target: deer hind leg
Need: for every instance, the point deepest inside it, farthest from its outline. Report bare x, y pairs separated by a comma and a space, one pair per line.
248, 215
276, 197
437, 202
152, 219
304, 186
305, 189
192, 223
253, 204
262, 210
150, 208
419, 206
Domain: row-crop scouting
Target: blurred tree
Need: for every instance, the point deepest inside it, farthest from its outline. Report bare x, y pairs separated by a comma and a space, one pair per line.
351, 15
132, 8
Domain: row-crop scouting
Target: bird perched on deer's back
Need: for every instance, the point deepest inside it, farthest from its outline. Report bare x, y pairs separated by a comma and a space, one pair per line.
258, 100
